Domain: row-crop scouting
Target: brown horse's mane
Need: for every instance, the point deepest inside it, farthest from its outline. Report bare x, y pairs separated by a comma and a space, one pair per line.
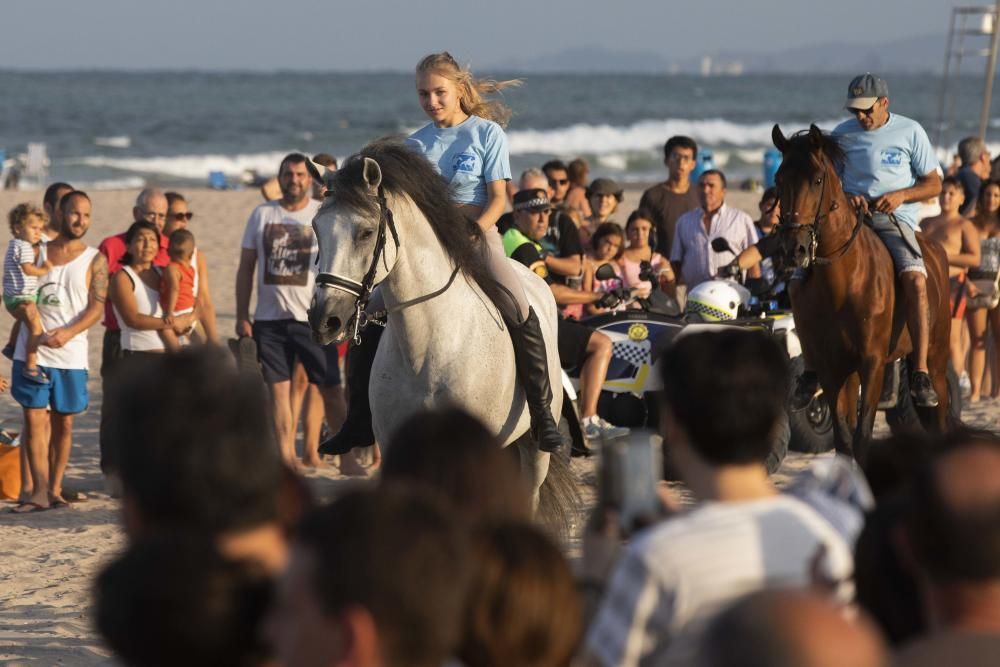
803, 143
406, 172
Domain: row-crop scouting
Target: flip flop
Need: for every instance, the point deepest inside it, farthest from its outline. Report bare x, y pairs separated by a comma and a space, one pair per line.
35, 375
75, 496
57, 503
32, 508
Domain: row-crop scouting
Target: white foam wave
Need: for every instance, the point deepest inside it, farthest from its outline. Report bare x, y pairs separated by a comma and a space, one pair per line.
127, 183
122, 141
188, 166
646, 135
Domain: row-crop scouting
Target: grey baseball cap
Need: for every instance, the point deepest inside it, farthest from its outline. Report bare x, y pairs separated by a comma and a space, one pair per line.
865, 90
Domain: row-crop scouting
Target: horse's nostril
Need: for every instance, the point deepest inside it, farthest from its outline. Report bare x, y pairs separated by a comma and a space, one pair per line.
333, 323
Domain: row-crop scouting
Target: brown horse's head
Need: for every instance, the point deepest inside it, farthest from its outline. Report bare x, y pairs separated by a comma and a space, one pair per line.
808, 189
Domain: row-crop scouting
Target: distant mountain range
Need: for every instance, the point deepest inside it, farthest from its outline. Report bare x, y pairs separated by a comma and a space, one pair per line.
912, 55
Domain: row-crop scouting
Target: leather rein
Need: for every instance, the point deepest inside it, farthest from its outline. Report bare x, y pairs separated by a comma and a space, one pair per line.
362, 291
814, 231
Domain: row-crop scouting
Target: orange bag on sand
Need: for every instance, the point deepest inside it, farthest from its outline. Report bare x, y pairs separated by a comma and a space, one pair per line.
10, 472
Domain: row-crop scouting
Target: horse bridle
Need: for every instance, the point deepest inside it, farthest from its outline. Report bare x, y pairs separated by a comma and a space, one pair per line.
787, 224
362, 291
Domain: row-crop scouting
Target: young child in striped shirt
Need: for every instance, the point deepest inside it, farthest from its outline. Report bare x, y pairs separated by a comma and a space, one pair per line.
21, 271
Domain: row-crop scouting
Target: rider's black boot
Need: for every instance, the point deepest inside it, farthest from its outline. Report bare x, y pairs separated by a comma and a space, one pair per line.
533, 373
357, 428
922, 390
806, 389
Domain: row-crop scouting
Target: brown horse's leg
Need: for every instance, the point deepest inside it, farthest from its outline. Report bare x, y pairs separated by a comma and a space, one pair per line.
837, 397
872, 375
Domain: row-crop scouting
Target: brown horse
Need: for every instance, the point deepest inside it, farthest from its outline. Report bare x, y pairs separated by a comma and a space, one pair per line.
847, 314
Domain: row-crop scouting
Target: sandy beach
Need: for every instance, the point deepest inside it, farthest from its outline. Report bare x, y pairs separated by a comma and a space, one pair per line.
48, 560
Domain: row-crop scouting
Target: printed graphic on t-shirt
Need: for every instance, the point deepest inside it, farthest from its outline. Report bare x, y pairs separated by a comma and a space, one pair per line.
51, 295
287, 252
464, 162
891, 157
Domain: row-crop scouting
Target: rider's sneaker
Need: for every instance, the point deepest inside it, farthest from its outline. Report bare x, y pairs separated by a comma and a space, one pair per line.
921, 390
594, 428
806, 389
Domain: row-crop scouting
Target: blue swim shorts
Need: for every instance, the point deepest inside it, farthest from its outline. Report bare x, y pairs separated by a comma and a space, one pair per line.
66, 392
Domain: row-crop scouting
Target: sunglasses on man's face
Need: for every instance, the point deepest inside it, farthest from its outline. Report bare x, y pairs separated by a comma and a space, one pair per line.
182, 216
558, 181
864, 112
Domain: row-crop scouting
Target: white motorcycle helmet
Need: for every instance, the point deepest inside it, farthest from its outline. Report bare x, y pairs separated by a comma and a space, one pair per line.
713, 301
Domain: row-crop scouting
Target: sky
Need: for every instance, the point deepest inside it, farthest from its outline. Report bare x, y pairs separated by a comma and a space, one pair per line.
379, 34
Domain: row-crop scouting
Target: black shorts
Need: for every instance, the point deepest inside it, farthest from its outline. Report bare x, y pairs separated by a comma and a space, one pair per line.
573, 340
281, 342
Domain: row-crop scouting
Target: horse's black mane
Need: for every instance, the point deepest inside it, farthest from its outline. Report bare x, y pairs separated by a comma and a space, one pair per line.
404, 171
801, 144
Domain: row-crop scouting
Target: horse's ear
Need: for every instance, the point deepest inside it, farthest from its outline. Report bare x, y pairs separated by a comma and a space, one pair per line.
372, 174
778, 138
816, 135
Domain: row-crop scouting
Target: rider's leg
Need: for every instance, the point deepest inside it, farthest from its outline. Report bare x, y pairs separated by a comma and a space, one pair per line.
807, 384
593, 372
357, 429
530, 356
901, 242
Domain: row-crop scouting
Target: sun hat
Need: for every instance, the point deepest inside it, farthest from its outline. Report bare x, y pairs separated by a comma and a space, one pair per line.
865, 90
605, 186
532, 199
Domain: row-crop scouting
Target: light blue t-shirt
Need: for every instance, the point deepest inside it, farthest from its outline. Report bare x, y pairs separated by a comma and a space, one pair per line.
890, 158
468, 156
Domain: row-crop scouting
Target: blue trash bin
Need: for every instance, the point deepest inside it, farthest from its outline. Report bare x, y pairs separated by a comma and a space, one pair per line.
702, 163
772, 160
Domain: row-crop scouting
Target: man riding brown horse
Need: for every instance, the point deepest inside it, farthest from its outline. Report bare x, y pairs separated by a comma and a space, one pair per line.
889, 167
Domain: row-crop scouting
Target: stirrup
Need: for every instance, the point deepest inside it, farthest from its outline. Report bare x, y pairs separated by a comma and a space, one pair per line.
807, 389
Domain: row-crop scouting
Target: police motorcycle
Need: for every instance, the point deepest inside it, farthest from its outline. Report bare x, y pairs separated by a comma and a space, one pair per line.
640, 336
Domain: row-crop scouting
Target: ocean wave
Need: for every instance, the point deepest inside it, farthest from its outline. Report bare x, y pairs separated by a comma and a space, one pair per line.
643, 136
187, 166
122, 141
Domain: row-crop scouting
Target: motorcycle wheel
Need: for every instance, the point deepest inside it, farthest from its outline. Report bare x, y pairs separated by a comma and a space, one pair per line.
811, 428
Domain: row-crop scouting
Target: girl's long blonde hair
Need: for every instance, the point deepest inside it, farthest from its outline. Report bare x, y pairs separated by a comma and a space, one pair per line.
471, 91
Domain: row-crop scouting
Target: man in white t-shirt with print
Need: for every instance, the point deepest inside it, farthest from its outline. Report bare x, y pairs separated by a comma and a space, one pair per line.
279, 244
724, 393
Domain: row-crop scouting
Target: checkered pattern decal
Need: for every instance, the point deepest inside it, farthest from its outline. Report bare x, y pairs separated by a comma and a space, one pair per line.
636, 354
707, 311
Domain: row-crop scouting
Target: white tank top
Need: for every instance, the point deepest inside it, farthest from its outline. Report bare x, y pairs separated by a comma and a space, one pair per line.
147, 302
62, 298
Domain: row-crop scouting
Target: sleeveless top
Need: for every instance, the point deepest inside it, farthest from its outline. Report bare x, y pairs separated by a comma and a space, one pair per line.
186, 291
990, 258
147, 302
62, 296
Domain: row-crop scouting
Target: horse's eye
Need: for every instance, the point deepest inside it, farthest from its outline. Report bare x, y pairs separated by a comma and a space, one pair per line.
365, 234
819, 181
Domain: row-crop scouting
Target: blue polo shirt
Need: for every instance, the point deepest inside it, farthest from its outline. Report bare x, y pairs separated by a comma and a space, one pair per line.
886, 159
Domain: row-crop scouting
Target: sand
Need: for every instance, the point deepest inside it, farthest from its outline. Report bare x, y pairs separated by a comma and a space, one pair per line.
48, 560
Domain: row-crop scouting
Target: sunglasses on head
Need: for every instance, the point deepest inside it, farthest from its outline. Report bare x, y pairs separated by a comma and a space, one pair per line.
182, 216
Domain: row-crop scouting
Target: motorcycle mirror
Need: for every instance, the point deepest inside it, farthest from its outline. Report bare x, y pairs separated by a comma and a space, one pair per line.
719, 244
605, 272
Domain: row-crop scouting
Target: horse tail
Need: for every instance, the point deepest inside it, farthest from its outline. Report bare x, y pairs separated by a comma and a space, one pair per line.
558, 498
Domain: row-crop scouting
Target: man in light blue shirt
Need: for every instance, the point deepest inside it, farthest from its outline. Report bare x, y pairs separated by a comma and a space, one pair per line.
890, 167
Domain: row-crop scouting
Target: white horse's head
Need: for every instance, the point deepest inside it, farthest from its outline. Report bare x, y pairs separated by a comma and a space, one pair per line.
357, 250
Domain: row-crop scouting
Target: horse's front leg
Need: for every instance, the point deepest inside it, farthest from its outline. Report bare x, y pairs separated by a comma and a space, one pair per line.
872, 375
836, 397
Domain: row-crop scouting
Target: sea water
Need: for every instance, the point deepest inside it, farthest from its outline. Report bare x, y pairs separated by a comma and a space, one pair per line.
125, 129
